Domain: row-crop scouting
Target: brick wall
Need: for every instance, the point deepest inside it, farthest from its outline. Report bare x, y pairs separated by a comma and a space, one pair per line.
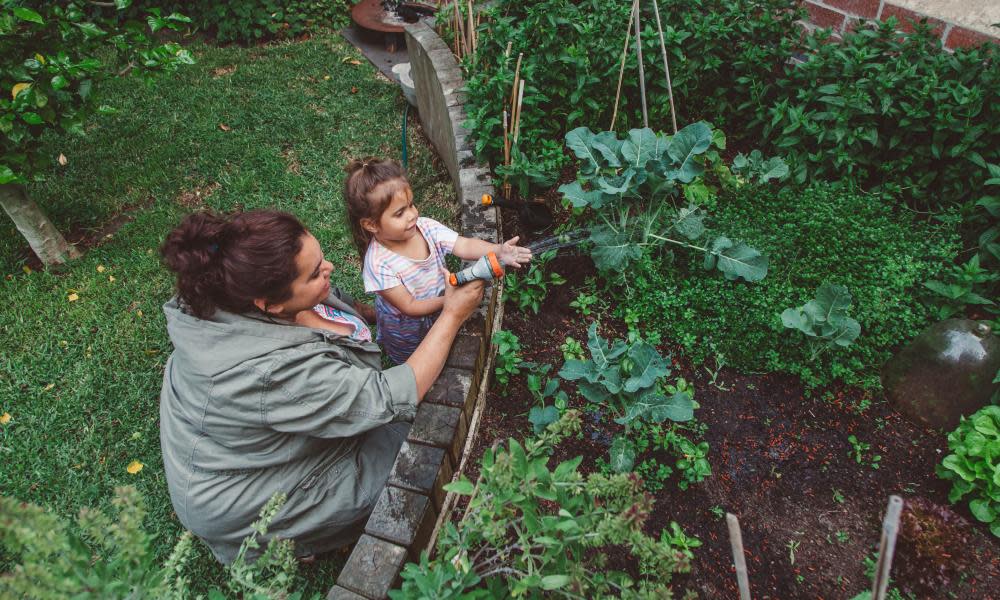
842, 15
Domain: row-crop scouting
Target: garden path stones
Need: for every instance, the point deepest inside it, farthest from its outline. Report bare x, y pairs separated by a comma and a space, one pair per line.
453, 388
339, 593
440, 426
402, 517
422, 469
373, 567
466, 352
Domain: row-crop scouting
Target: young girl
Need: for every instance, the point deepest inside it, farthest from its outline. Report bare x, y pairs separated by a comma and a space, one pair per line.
403, 253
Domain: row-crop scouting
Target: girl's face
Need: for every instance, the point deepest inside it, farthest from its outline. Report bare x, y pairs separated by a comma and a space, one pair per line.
310, 286
398, 222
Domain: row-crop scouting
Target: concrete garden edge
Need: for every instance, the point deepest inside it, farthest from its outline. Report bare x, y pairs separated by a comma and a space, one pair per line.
407, 514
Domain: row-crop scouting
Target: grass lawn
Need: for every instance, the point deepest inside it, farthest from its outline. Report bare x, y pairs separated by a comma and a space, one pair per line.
244, 128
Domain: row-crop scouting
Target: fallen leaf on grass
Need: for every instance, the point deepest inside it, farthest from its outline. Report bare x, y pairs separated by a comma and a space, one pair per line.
350, 61
354, 90
225, 127
111, 278
26, 269
5, 418
73, 297
134, 467
326, 78
138, 313
48, 387
100, 268
62, 160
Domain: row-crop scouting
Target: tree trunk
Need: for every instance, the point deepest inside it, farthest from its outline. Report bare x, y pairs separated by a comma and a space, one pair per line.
50, 246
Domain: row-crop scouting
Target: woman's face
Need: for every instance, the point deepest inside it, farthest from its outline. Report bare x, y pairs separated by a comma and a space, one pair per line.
311, 285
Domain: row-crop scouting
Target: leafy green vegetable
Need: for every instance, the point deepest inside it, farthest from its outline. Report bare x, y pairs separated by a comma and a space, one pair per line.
825, 318
973, 466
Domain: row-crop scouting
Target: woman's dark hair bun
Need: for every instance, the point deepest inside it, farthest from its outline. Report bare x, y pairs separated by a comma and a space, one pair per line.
228, 261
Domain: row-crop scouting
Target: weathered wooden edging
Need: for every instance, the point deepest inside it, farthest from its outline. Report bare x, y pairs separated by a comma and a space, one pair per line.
403, 521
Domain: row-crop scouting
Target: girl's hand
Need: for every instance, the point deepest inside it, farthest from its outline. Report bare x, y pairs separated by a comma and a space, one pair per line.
512, 255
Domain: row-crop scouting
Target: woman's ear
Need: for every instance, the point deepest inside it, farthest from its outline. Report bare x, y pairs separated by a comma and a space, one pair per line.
267, 308
369, 225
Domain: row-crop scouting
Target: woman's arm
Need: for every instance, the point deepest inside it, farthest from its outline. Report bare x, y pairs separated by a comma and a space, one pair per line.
429, 357
509, 253
410, 306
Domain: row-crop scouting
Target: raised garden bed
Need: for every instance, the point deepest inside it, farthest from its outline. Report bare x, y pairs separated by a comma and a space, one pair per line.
810, 513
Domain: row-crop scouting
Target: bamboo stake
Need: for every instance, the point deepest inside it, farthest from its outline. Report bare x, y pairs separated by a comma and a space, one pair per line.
887, 547
513, 91
472, 30
510, 44
506, 153
736, 541
517, 121
642, 69
458, 51
621, 70
666, 63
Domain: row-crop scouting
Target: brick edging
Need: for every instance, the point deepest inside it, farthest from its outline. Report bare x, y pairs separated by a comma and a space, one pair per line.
843, 15
402, 523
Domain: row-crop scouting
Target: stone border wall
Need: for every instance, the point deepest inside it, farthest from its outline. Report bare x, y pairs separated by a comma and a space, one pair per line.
843, 15
402, 523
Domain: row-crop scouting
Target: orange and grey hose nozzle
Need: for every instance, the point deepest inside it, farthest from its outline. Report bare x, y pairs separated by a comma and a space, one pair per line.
486, 268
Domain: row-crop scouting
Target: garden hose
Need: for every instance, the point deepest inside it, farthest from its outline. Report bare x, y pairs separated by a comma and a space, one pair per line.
406, 112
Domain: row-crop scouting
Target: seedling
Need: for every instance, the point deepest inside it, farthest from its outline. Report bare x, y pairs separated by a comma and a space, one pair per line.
717, 511
838, 496
858, 451
572, 349
792, 546
679, 540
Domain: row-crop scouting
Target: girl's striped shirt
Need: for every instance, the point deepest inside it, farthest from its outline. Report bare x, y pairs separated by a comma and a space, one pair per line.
384, 269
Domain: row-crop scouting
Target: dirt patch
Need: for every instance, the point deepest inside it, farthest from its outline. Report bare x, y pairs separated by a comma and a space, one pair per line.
223, 71
810, 513
195, 198
85, 238
292, 163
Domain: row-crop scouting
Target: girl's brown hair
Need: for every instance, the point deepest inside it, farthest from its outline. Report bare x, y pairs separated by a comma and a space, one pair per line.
366, 198
225, 262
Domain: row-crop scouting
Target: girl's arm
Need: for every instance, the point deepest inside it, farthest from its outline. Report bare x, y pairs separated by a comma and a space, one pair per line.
408, 305
509, 253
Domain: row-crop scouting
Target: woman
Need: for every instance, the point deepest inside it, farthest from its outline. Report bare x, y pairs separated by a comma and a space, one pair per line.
262, 394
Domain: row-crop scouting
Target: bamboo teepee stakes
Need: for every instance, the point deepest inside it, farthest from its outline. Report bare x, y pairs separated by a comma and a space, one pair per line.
642, 69
666, 63
621, 71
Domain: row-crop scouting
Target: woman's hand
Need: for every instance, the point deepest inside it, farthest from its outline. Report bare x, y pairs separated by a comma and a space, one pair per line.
461, 301
429, 357
512, 255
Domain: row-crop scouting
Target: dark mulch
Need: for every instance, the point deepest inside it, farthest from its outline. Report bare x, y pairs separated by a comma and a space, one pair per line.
781, 463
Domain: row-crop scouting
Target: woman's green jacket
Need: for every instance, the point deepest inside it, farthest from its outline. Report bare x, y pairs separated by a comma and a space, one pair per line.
251, 407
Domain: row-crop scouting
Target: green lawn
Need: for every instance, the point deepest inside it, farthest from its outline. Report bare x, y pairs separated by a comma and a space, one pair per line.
81, 379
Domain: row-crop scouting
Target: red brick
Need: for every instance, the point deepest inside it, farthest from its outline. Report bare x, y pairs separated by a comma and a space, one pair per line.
859, 8
824, 17
907, 17
960, 37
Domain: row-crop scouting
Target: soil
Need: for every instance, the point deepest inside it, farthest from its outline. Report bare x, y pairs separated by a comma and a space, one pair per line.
781, 461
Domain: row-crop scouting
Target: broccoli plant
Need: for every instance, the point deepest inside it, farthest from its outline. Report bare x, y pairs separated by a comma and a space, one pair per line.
626, 378
825, 318
635, 187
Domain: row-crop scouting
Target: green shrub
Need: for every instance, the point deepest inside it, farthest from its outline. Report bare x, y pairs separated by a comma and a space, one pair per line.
894, 112
972, 468
572, 49
253, 20
111, 556
530, 530
821, 234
